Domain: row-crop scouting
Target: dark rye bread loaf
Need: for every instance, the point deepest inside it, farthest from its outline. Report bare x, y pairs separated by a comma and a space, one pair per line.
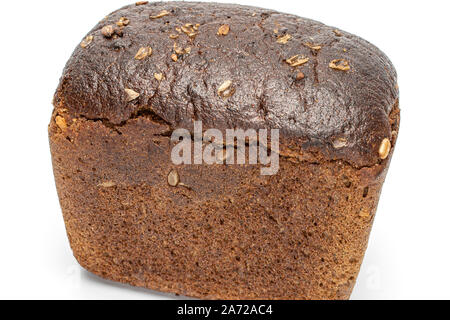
224, 231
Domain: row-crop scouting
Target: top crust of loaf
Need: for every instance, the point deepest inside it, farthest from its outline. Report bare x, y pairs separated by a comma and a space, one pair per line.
244, 77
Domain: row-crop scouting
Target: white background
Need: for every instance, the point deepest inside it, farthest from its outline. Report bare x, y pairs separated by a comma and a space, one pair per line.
408, 255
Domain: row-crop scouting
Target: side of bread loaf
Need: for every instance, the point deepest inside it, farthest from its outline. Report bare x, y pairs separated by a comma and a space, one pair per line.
224, 231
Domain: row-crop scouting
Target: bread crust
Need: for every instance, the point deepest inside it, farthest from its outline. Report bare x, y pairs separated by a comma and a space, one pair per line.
226, 232
311, 113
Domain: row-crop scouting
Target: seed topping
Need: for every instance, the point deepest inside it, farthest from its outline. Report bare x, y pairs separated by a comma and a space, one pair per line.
313, 46
173, 179
111, 31
177, 49
284, 39
180, 51
226, 90
132, 95
385, 149
160, 15
340, 64
143, 53
223, 30
61, 122
108, 31
340, 143
123, 22
337, 33
190, 30
86, 41
297, 60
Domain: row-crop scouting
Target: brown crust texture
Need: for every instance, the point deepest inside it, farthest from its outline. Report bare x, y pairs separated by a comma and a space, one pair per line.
257, 56
225, 232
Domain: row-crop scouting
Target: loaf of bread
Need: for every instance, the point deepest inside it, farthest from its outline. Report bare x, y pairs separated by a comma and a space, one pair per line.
222, 231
